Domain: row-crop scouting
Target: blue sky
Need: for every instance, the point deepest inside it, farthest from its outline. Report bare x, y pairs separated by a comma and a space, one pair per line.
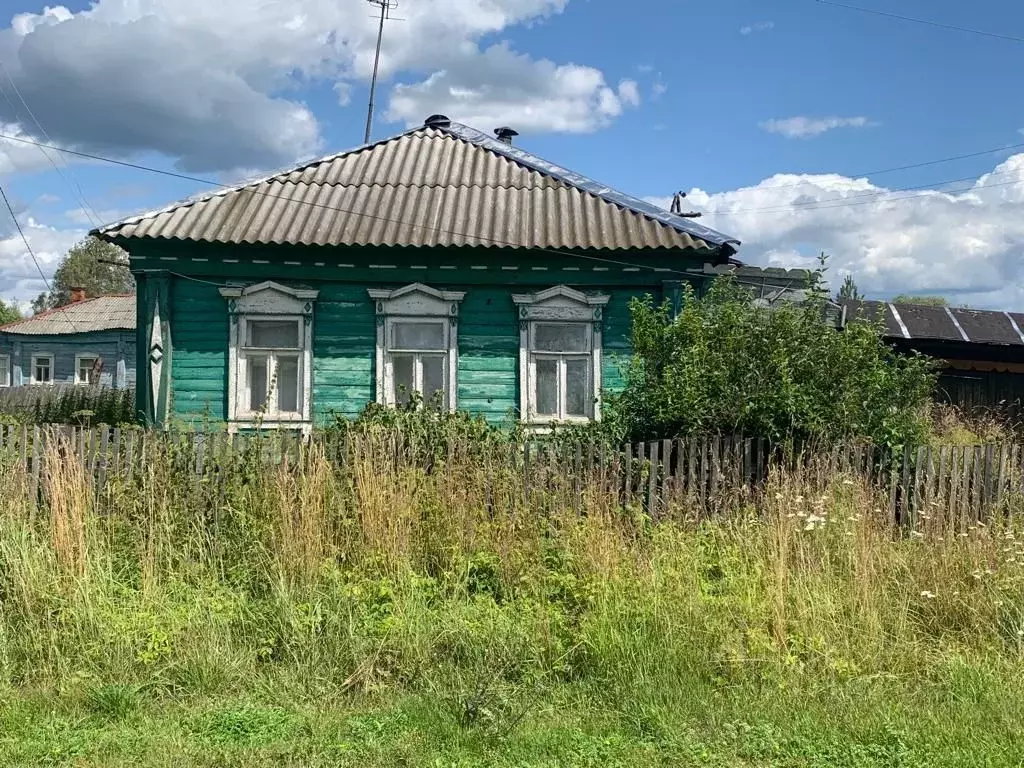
768, 114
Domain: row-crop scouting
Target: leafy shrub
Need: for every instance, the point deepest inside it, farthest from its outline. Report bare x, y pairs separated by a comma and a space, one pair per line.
726, 365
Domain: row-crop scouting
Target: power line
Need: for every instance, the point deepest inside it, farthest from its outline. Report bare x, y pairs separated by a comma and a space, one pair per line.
924, 164
314, 204
814, 205
28, 247
89, 211
927, 22
482, 238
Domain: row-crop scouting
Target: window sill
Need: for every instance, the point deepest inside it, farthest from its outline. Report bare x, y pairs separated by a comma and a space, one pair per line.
243, 424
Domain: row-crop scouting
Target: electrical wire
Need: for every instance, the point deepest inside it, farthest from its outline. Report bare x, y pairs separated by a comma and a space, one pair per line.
925, 164
813, 205
28, 247
89, 211
496, 241
928, 22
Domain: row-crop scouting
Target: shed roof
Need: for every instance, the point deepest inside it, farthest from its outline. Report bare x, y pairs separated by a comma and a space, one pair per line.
103, 313
915, 321
442, 184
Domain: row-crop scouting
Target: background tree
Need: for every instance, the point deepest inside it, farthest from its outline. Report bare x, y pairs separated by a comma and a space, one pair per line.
85, 266
726, 366
9, 312
849, 291
924, 301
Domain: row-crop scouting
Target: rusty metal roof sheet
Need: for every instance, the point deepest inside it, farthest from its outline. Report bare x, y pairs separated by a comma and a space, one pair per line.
438, 185
103, 313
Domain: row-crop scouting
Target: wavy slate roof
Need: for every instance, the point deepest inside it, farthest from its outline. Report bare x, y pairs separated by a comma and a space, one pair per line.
103, 313
914, 321
443, 184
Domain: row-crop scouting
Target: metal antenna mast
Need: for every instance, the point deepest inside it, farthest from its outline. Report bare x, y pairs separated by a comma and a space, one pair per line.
385, 13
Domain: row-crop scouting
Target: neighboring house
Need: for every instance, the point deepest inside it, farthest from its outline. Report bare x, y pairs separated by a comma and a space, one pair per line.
441, 261
90, 341
982, 351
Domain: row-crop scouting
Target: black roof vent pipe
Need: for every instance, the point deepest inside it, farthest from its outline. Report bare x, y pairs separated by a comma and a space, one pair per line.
437, 121
505, 134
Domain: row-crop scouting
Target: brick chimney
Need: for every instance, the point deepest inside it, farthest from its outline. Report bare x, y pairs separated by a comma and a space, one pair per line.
77, 295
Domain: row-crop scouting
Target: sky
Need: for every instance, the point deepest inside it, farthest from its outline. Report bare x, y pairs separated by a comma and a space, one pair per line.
780, 120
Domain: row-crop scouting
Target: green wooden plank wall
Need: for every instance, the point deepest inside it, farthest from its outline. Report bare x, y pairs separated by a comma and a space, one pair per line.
344, 335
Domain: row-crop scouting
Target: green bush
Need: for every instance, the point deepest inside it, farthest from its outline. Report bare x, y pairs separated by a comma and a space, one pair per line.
726, 365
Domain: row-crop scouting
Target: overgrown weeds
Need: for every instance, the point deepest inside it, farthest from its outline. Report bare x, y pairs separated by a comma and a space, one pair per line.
383, 577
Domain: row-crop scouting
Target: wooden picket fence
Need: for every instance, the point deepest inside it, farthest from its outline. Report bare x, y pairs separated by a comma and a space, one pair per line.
712, 475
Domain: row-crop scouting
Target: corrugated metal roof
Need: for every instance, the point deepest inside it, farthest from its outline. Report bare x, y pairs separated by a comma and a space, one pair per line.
916, 321
103, 313
439, 185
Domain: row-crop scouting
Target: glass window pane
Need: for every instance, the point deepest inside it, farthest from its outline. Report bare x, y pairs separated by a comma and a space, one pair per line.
403, 376
433, 381
5, 372
279, 334
578, 394
547, 387
257, 383
550, 337
288, 399
42, 370
417, 336
85, 369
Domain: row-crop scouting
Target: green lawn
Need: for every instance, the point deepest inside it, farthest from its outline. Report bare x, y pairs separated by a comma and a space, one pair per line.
962, 717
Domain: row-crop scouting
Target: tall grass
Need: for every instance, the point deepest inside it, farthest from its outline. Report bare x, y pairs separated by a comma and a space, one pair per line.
461, 584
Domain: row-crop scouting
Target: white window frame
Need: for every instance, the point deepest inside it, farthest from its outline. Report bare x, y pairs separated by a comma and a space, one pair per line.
5, 379
42, 356
560, 305
416, 303
79, 357
268, 301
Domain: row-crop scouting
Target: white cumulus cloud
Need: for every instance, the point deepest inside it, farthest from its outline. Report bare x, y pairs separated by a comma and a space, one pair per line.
801, 127
218, 86
967, 243
505, 87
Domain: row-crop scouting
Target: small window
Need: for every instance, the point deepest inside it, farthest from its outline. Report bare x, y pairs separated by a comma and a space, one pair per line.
271, 354
560, 354
417, 359
417, 343
5, 371
87, 370
42, 369
562, 364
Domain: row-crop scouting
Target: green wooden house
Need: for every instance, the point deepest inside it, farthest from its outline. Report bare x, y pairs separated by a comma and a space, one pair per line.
88, 342
441, 261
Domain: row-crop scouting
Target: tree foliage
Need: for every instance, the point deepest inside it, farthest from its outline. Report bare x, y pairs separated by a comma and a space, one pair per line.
724, 365
849, 291
924, 301
9, 312
86, 266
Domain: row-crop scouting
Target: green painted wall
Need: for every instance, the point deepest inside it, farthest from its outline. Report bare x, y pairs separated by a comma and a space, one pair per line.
344, 328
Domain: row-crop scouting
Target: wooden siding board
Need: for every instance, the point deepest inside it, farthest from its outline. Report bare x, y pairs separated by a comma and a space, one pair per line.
344, 331
64, 347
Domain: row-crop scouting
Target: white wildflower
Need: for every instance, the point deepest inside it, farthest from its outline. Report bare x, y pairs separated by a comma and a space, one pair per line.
928, 594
